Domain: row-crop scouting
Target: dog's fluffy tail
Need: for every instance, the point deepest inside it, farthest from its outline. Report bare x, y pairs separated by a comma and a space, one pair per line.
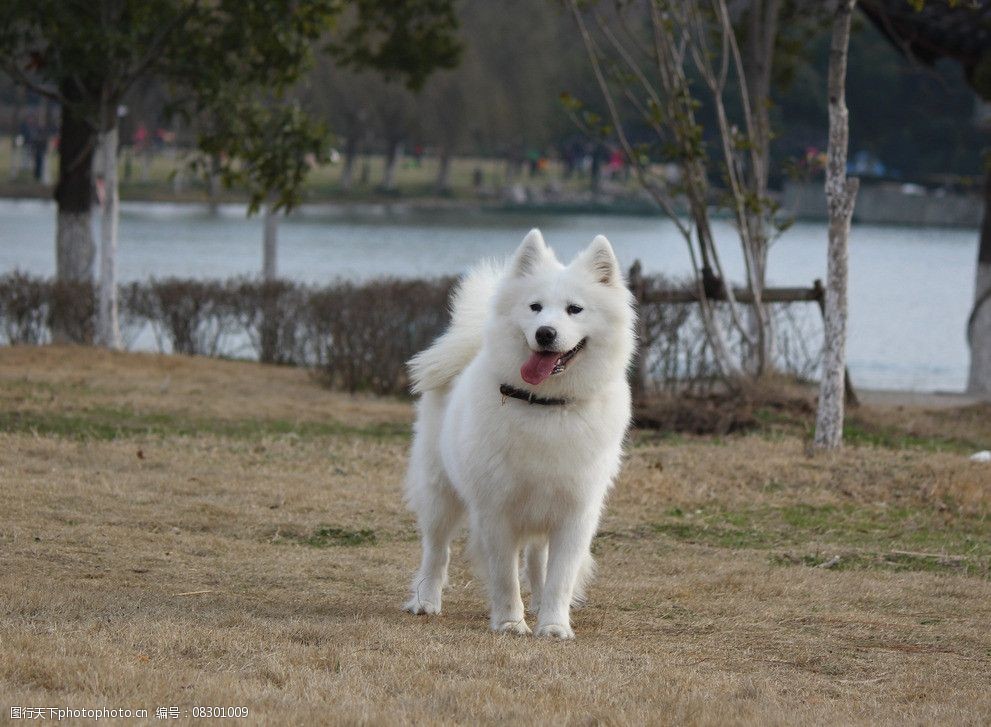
437, 366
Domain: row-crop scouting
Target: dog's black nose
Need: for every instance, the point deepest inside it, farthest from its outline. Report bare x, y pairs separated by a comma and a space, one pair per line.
546, 335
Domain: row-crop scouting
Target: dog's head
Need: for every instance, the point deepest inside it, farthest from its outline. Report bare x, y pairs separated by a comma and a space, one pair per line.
563, 328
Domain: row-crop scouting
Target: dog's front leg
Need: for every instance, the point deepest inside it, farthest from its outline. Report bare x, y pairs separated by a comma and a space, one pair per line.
568, 553
536, 571
501, 551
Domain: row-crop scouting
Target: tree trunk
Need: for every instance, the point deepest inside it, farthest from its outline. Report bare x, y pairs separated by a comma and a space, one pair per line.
444, 171
270, 243
40, 151
979, 325
638, 374
213, 186
269, 330
75, 249
595, 175
391, 164
758, 60
350, 156
758, 64
841, 193
15, 155
107, 323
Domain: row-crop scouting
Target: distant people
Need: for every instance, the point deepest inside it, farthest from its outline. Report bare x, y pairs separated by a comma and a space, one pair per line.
165, 142
39, 150
140, 140
24, 144
30, 150
616, 165
572, 156
533, 161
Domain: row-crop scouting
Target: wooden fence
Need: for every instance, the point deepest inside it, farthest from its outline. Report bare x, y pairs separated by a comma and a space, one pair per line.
671, 296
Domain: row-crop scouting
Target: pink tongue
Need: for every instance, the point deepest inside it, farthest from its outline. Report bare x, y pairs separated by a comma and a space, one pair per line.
539, 366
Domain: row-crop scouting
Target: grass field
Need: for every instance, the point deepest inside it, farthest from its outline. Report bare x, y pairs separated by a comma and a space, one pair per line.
183, 532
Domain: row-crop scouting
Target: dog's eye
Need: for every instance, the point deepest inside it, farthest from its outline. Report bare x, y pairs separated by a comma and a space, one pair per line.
574, 309
536, 307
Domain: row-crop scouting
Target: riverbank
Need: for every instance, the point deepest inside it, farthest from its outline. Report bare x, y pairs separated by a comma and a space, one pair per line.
239, 530
878, 207
482, 184
533, 197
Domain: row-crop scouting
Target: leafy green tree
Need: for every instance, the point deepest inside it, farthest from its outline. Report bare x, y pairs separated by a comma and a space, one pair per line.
88, 55
406, 39
227, 63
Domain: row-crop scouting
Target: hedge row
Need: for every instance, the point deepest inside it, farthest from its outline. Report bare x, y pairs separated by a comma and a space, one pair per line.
354, 336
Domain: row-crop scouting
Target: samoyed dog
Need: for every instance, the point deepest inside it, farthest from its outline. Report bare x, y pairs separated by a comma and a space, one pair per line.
519, 429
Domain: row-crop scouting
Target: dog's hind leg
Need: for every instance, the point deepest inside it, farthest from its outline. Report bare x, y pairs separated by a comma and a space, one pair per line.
438, 509
535, 559
439, 518
579, 598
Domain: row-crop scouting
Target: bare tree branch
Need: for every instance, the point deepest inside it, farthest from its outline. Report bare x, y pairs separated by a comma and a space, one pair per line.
21, 78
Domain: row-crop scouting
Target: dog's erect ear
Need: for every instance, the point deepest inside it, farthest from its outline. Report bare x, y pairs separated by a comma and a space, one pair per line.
600, 259
531, 254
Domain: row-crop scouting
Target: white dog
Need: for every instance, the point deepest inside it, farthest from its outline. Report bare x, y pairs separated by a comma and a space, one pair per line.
520, 427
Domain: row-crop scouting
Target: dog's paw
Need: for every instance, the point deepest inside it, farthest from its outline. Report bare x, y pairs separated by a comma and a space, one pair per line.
512, 627
419, 607
556, 631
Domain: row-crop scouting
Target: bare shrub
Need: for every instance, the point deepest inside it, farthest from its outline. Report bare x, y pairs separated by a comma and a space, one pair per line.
192, 316
362, 335
24, 308
133, 308
677, 356
358, 336
72, 304
270, 314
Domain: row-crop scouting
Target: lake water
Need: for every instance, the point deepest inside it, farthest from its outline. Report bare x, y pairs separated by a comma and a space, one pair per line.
910, 288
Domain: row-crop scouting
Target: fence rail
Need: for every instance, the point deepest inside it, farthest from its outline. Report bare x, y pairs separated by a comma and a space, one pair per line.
814, 294
685, 295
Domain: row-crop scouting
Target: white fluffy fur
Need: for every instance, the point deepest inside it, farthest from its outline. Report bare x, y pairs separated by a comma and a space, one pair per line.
522, 476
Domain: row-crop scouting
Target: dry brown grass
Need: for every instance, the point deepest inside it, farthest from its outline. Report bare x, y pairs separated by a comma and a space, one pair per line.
705, 610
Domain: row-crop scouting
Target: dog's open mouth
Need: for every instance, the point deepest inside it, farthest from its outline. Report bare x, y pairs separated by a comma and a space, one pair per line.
543, 364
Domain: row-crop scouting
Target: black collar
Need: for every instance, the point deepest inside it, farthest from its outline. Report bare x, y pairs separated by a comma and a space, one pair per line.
529, 396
